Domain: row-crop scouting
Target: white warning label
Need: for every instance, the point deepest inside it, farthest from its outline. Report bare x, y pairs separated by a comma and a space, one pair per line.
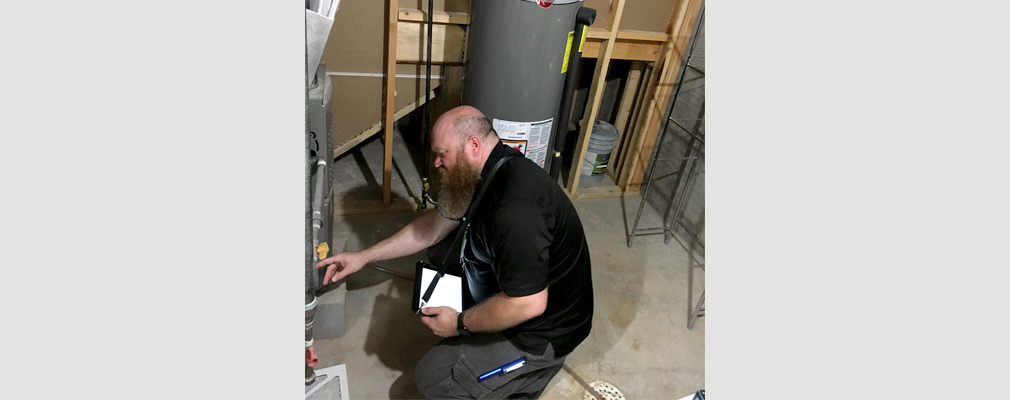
530, 138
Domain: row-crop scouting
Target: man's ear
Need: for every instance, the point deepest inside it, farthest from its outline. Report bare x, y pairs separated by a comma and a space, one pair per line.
473, 145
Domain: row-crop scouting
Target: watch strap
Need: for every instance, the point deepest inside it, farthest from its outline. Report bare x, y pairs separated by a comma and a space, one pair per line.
460, 327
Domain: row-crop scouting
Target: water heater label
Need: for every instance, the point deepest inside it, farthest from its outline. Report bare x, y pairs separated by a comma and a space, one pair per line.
530, 138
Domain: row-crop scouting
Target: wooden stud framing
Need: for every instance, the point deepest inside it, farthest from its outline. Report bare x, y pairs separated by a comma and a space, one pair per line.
628, 34
389, 100
438, 17
635, 50
682, 16
633, 142
450, 94
595, 93
642, 103
659, 72
624, 112
681, 27
630, 44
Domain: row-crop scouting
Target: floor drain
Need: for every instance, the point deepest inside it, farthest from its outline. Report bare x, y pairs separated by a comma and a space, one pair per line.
605, 389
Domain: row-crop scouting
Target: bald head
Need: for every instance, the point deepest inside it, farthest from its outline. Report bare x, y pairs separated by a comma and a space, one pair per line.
458, 128
464, 121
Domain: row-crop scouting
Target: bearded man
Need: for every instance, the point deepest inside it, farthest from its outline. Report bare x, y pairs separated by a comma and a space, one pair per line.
526, 264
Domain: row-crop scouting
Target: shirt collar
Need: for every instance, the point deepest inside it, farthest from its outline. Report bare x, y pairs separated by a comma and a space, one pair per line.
500, 150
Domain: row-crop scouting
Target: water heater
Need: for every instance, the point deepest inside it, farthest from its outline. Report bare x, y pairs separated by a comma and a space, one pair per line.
517, 60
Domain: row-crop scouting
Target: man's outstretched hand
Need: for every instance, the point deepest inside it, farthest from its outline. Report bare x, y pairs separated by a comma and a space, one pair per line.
341, 265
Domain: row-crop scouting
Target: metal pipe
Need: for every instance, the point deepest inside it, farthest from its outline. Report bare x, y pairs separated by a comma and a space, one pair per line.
312, 276
396, 274
645, 193
678, 190
688, 131
317, 215
692, 152
583, 17
694, 156
659, 149
699, 311
426, 135
309, 290
427, 196
682, 204
310, 317
310, 272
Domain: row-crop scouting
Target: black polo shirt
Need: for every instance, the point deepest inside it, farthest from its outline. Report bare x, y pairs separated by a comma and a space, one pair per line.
525, 236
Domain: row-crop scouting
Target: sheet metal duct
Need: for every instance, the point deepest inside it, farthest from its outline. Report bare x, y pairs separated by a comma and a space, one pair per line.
318, 153
318, 21
517, 53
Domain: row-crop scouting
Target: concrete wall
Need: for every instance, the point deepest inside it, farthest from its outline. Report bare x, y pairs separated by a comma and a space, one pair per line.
689, 110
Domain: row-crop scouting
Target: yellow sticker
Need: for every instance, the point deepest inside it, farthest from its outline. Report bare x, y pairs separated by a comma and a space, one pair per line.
568, 51
323, 250
585, 30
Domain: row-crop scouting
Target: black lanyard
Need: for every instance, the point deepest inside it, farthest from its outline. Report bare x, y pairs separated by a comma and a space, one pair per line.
464, 226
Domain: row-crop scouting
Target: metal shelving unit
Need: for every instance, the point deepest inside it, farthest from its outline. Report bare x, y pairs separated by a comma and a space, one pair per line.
687, 173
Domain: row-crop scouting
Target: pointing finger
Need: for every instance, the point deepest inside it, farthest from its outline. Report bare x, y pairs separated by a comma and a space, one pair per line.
328, 278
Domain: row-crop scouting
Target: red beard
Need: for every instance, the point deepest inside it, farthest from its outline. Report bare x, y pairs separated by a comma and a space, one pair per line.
456, 189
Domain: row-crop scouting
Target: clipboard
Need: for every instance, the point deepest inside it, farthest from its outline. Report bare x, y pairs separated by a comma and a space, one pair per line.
448, 291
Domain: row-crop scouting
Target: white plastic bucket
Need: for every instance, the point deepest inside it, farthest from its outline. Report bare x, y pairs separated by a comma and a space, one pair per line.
601, 145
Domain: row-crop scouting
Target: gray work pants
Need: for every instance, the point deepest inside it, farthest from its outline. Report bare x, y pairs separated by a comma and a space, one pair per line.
452, 368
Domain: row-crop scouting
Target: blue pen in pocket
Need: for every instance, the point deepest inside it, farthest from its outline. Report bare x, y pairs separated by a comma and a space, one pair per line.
504, 369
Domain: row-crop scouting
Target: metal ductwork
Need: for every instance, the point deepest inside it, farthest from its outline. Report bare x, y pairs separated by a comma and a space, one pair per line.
318, 153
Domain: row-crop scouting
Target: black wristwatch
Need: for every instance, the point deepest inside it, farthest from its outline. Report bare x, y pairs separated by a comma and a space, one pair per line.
460, 328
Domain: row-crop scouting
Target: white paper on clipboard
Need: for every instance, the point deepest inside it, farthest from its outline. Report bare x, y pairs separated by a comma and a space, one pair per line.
448, 292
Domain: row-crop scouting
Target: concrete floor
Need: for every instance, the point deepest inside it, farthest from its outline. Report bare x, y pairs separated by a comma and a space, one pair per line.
643, 297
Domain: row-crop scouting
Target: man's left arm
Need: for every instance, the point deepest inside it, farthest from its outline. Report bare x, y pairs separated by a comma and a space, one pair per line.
497, 313
519, 238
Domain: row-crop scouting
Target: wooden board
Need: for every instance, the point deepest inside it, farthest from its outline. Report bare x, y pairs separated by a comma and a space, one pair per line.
630, 137
389, 99
683, 26
450, 95
631, 163
643, 15
628, 34
635, 50
437, 5
441, 17
446, 43
595, 93
624, 107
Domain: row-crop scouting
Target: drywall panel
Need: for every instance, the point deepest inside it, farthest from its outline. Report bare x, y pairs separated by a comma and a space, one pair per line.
354, 61
357, 100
